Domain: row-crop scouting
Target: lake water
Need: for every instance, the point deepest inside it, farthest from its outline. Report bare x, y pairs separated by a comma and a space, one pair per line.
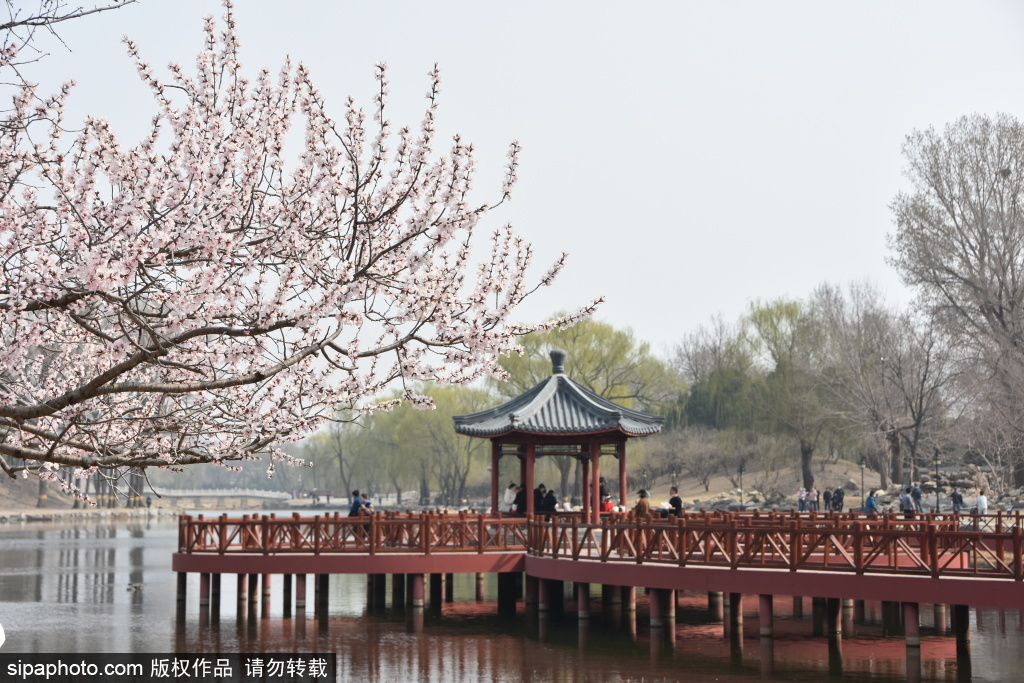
98, 587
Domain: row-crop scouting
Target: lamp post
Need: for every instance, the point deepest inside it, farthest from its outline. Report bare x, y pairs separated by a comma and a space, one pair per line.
935, 459
863, 464
741, 468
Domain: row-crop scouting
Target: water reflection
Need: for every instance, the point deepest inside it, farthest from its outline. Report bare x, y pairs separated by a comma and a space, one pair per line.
102, 588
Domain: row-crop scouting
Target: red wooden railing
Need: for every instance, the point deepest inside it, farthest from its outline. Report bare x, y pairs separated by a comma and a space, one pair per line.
935, 545
379, 533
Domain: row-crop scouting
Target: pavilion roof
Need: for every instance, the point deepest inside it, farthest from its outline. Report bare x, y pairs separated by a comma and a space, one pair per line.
558, 406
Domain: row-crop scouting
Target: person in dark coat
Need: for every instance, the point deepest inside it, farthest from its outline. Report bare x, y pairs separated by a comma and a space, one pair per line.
837, 499
604, 487
538, 497
675, 503
826, 499
550, 502
520, 502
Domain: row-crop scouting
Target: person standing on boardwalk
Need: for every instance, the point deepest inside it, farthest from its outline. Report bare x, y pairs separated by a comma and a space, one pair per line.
982, 502
801, 499
915, 495
509, 500
838, 498
812, 499
356, 508
870, 505
957, 499
519, 504
826, 499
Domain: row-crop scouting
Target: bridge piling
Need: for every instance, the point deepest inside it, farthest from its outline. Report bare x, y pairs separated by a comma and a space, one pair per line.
583, 601
436, 591
657, 601
629, 599
416, 592
766, 616
300, 596
912, 624
507, 588
941, 623
833, 617
204, 590
265, 602
215, 594
286, 596
398, 591
380, 591
736, 616
715, 607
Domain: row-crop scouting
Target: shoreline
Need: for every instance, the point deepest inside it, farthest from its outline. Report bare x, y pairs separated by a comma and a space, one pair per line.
27, 515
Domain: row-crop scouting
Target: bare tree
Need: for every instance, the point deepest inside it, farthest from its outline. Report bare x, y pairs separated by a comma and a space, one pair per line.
959, 242
887, 371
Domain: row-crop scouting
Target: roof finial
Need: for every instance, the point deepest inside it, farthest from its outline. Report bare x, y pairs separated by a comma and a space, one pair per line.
557, 362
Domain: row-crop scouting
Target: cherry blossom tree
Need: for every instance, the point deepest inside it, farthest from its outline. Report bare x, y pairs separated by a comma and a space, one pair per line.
205, 294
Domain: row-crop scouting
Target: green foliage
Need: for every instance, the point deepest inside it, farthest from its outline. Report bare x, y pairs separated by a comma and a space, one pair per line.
607, 360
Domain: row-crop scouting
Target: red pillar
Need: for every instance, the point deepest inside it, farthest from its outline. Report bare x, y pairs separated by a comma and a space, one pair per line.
531, 458
623, 487
585, 488
495, 485
595, 482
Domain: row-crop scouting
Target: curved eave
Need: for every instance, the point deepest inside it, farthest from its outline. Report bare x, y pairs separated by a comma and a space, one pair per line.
494, 434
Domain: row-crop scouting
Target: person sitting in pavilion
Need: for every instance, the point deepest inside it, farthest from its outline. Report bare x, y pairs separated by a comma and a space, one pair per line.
643, 504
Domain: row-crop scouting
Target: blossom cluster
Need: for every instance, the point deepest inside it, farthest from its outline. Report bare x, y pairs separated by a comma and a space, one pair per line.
204, 294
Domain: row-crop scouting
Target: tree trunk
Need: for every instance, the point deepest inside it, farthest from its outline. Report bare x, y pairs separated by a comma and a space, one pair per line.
892, 439
806, 452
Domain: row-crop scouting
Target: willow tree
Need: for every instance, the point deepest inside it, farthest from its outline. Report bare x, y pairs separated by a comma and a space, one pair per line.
206, 293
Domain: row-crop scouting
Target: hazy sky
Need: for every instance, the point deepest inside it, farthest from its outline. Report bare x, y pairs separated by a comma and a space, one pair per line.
691, 156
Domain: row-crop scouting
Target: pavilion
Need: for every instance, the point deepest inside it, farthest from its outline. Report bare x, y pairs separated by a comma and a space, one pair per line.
558, 417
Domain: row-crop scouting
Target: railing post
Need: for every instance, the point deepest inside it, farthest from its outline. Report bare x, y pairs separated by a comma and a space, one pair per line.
794, 544
933, 550
425, 533
265, 534
1018, 566
480, 533
222, 541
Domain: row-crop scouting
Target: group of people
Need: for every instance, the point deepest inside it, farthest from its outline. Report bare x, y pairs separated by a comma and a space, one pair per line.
514, 500
808, 499
643, 504
361, 504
